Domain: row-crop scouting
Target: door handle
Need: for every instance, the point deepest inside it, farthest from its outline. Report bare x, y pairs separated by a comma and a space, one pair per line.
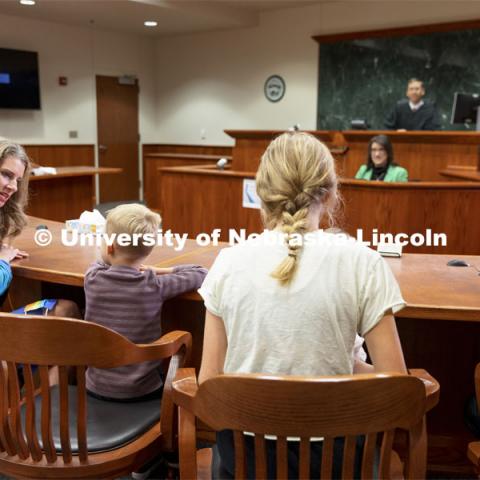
102, 148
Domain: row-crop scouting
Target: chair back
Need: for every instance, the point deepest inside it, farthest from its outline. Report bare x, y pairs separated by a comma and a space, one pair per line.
327, 407
39, 343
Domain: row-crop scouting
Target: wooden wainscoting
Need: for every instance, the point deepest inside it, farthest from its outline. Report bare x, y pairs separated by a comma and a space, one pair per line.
156, 157
61, 155
196, 200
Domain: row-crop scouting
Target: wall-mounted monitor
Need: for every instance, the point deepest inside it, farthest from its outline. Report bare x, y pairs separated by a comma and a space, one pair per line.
19, 80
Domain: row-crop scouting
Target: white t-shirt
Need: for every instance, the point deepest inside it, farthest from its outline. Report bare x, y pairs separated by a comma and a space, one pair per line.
308, 327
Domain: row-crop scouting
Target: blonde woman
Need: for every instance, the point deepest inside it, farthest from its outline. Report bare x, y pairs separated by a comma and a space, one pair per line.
14, 174
281, 305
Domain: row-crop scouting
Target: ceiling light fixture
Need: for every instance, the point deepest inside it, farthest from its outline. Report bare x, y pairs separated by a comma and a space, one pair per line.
150, 23
27, 2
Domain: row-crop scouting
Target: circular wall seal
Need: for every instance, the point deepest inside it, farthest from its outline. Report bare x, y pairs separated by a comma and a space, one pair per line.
274, 88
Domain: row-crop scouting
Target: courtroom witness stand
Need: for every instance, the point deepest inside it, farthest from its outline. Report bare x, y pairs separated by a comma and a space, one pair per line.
291, 309
14, 176
380, 163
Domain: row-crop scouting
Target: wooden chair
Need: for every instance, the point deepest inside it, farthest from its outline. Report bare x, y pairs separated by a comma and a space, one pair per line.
305, 407
474, 447
48, 432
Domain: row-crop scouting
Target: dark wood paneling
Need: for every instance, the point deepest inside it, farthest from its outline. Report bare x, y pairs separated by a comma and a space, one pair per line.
422, 161
195, 204
443, 207
61, 198
158, 156
199, 201
61, 155
423, 154
251, 144
399, 31
195, 149
67, 194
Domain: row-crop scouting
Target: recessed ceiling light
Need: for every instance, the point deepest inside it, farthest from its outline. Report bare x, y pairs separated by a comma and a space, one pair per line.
27, 2
150, 23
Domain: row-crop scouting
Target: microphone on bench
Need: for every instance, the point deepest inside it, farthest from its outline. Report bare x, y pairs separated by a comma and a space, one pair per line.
221, 164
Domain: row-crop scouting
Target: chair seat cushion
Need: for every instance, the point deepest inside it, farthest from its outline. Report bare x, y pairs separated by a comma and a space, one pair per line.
472, 416
109, 424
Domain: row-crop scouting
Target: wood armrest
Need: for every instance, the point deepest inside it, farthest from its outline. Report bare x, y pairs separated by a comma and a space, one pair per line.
473, 453
432, 387
185, 388
168, 345
176, 345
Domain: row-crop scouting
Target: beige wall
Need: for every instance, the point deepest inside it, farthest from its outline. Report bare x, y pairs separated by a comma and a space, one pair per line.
193, 83
79, 54
214, 81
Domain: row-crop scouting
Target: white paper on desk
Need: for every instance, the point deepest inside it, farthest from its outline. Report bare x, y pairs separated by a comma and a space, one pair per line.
91, 222
389, 249
249, 196
95, 217
44, 171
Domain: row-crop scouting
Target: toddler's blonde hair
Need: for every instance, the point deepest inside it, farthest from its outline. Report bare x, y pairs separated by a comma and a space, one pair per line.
133, 219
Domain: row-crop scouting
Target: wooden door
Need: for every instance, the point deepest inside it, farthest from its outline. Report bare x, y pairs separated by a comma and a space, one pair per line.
117, 124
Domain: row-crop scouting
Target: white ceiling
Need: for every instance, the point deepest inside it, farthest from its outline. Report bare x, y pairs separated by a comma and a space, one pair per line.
174, 17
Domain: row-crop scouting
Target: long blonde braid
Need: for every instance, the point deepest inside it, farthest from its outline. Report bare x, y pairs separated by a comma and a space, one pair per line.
296, 172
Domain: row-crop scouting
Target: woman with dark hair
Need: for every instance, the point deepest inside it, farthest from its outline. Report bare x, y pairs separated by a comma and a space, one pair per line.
380, 164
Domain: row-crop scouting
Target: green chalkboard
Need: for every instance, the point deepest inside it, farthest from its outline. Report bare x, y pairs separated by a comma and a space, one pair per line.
364, 78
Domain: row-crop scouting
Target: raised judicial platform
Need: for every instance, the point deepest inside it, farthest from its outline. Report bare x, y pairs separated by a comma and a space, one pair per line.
439, 328
443, 192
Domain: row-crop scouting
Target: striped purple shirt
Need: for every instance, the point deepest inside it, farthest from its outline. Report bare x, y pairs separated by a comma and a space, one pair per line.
130, 302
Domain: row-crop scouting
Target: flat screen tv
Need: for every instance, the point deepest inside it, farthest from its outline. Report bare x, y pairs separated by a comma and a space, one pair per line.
19, 85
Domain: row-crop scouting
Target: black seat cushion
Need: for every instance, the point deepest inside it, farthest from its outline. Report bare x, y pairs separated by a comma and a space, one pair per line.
472, 416
109, 424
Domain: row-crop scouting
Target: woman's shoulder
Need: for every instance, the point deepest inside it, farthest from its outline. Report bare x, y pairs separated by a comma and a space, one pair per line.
397, 173
361, 171
397, 168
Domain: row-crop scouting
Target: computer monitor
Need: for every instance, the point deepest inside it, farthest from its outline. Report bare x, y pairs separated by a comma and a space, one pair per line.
465, 108
359, 124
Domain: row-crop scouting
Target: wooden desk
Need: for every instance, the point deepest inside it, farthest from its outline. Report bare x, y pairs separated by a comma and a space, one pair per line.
67, 194
469, 173
439, 328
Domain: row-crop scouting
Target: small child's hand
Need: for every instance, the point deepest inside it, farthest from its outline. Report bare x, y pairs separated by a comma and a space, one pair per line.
21, 254
156, 270
8, 253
